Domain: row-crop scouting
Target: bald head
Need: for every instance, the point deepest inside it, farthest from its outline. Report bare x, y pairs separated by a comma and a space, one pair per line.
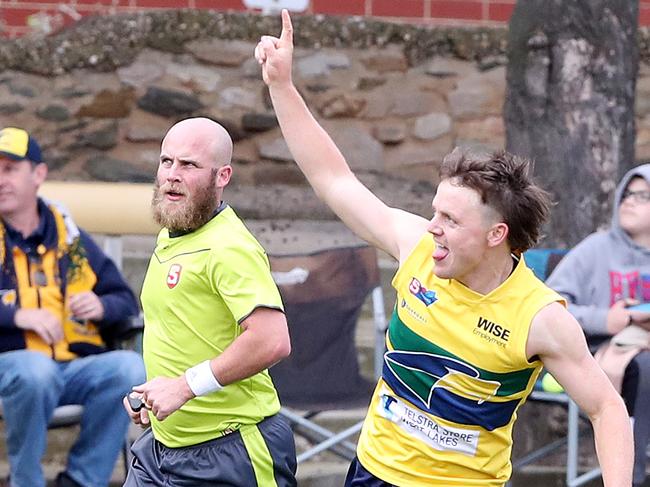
201, 135
193, 171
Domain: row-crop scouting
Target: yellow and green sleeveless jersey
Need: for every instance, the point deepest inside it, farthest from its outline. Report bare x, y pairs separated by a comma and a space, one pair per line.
197, 290
455, 373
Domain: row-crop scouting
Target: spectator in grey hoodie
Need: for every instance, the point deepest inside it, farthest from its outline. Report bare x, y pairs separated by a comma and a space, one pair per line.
602, 278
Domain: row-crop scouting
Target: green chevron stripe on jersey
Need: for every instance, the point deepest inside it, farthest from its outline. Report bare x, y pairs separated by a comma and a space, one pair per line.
403, 338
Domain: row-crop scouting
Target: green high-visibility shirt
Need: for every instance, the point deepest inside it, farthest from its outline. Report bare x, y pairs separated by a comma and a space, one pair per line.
198, 289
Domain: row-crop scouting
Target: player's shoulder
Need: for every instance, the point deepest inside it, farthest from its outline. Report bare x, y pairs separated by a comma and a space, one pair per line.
553, 328
411, 231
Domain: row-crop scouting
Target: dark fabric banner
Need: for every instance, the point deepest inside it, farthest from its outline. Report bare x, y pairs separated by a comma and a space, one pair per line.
323, 294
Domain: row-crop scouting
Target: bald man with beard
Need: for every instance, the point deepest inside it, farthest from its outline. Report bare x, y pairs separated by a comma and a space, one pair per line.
214, 324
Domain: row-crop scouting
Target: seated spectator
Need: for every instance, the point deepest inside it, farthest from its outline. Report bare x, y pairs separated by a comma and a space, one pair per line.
58, 295
602, 277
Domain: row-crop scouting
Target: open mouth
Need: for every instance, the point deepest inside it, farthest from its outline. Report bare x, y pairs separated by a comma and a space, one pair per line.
174, 195
440, 252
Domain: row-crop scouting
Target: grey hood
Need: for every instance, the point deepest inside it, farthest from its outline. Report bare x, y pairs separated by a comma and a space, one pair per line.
604, 268
642, 171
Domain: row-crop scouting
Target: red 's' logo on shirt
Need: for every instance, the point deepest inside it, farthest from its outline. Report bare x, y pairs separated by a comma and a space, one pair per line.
174, 275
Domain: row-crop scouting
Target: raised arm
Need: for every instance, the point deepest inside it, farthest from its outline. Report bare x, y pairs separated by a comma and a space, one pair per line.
395, 231
557, 339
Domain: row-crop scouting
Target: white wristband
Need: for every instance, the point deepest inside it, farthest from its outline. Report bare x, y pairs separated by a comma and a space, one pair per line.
201, 379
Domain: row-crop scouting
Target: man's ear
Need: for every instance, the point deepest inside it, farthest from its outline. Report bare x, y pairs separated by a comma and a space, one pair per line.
497, 234
40, 173
223, 175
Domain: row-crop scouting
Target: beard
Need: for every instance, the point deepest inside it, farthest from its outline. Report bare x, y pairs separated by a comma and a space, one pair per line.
194, 211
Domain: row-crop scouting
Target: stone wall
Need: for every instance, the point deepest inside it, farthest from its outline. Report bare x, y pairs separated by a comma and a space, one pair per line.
395, 98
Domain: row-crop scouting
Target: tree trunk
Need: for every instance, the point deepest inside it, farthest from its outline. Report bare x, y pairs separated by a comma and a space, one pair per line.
571, 78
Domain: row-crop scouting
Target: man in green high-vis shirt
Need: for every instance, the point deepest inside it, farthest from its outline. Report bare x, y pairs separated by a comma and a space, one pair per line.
214, 323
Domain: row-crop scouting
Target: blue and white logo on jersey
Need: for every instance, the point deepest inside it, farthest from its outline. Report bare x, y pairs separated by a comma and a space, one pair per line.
425, 295
447, 388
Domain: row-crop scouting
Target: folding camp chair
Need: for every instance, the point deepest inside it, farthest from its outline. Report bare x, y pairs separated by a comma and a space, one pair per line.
323, 294
68, 415
542, 262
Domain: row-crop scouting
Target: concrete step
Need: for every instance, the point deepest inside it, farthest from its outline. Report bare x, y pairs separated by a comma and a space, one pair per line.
322, 473
59, 442
334, 421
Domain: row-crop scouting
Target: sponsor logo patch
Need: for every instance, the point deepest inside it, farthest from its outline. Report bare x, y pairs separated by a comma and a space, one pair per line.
425, 295
426, 429
174, 275
492, 332
414, 314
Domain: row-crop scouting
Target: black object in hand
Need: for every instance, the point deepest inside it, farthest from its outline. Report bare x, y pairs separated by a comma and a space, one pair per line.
135, 402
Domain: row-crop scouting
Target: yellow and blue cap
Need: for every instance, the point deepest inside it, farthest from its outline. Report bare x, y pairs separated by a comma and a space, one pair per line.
18, 145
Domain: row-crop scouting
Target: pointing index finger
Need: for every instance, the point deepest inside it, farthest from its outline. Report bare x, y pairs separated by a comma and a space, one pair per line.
287, 28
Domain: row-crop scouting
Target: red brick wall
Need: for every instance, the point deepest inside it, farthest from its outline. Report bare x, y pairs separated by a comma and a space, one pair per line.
16, 16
